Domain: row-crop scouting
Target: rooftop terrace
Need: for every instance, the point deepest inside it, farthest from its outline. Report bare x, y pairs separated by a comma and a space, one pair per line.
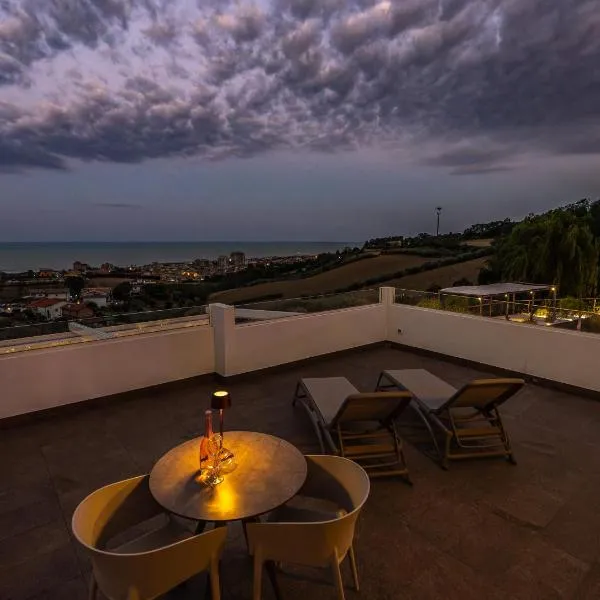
482, 530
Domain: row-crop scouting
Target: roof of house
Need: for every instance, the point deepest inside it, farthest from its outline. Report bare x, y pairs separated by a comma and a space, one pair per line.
45, 302
76, 308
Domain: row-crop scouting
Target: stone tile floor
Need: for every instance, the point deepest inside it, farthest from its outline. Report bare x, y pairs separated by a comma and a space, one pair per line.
482, 530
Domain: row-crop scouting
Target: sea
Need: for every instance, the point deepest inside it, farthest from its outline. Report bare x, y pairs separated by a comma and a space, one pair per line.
22, 256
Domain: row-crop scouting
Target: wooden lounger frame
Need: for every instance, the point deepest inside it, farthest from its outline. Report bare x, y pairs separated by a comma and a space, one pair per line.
378, 448
469, 420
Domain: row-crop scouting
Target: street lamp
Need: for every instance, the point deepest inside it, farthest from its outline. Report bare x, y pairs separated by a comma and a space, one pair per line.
438, 211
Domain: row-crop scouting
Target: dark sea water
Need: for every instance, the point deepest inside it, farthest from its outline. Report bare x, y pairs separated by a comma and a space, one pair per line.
19, 256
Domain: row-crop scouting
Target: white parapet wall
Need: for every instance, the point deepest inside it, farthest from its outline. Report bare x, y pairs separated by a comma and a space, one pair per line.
45, 378
568, 357
254, 346
42, 379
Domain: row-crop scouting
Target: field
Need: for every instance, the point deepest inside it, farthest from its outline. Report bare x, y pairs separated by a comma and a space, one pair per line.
323, 283
444, 276
480, 243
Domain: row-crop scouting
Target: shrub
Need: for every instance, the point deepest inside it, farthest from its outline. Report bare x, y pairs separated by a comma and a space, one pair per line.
430, 303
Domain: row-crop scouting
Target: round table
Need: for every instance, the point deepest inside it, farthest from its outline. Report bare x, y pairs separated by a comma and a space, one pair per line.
269, 471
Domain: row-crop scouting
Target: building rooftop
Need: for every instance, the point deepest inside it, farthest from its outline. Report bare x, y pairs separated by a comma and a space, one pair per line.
45, 302
483, 529
495, 289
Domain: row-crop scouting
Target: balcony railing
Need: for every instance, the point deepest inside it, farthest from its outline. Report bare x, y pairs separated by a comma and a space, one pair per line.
93, 362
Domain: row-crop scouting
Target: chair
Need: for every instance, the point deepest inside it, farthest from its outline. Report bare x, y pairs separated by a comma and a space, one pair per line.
147, 566
362, 423
467, 418
315, 529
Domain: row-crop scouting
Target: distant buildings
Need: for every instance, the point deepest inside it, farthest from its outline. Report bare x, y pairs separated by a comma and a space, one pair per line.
77, 311
107, 268
222, 263
237, 260
191, 274
99, 296
48, 308
48, 274
80, 267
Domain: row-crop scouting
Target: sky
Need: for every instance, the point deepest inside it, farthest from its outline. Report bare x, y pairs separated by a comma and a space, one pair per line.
292, 119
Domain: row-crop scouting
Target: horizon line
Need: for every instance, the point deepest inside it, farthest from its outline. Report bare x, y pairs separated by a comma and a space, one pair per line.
179, 241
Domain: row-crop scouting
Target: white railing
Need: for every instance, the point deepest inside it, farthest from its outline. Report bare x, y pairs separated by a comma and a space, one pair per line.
50, 377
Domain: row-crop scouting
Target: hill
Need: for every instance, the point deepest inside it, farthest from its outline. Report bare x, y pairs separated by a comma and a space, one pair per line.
443, 276
330, 281
484, 243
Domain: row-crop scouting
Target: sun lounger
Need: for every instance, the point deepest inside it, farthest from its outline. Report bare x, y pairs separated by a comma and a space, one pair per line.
467, 419
359, 426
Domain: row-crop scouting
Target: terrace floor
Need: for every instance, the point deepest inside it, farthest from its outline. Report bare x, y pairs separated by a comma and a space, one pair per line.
483, 529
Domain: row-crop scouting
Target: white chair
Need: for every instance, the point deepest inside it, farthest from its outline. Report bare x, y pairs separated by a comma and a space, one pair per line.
152, 564
316, 528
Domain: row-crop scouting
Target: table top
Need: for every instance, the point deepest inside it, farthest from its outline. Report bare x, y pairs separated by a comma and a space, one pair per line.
269, 472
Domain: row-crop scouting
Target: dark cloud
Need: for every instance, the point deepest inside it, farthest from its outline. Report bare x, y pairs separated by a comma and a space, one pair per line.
468, 156
118, 205
481, 170
470, 84
15, 157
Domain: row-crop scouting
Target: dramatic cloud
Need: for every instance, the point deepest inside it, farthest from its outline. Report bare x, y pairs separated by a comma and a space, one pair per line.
469, 86
118, 205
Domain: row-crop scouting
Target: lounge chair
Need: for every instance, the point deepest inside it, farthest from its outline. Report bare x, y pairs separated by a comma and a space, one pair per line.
468, 419
363, 424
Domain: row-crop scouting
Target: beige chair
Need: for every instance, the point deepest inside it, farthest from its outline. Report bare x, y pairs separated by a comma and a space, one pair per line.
147, 566
468, 418
316, 528
355, 425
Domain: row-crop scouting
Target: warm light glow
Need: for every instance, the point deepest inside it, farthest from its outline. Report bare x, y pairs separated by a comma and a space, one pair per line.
221, 394
223, 499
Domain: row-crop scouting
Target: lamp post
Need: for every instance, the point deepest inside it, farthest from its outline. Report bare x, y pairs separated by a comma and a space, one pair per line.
438, 211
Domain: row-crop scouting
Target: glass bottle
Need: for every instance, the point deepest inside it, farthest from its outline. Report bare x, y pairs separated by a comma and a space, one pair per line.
205, 441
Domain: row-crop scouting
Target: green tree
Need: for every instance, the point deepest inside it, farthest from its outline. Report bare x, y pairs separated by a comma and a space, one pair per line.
558, 247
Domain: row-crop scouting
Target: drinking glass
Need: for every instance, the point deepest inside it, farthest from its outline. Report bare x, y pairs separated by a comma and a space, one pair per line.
214, 476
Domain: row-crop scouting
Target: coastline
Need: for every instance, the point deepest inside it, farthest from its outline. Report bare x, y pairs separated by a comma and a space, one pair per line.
21, 256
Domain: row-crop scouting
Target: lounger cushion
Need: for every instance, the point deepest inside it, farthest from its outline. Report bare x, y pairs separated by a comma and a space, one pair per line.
328, 394
430, 390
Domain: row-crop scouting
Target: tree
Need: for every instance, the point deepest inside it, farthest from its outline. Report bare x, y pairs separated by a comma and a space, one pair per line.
558, 247
75, 285
122, 291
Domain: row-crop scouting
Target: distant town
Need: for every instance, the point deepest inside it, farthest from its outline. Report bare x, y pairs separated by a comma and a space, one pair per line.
85, 292
49, 301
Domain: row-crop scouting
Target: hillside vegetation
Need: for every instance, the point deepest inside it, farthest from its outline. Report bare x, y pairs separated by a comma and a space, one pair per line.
323, 283
560, 247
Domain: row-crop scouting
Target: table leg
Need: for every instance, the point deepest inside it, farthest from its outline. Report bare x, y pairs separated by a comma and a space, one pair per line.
244, 523
200, 527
